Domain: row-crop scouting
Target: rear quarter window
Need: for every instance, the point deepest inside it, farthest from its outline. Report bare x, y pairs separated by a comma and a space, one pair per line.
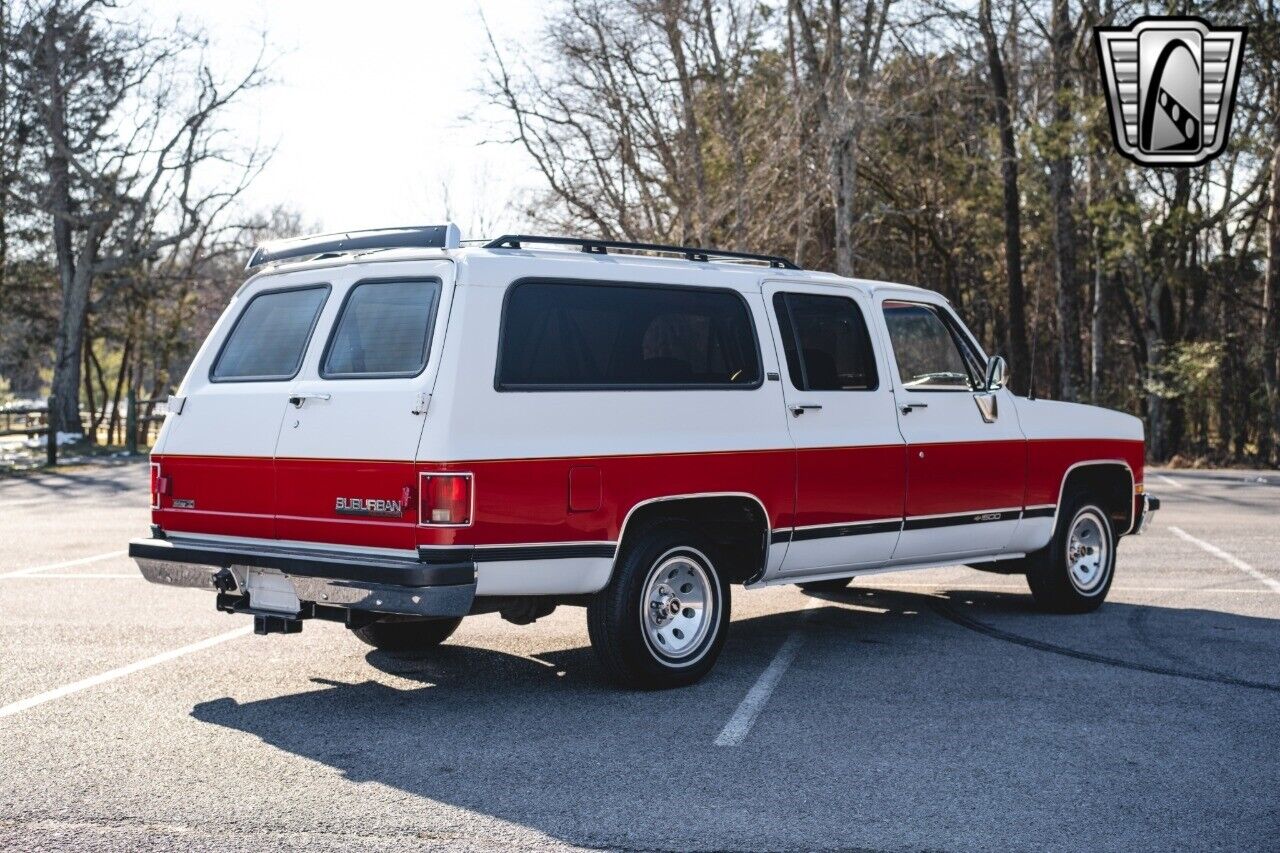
270, 336
604, 336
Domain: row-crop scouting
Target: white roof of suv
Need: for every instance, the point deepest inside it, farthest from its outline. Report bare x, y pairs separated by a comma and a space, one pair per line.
444, 241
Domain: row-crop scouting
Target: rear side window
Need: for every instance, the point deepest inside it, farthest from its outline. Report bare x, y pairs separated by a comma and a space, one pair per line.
384, 330
826, 342
270, 336
581, 336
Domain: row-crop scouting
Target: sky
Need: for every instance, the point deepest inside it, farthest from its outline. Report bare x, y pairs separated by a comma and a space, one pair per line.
374, 108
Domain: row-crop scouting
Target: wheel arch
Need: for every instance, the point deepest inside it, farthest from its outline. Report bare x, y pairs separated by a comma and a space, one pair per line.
1111, 480
737, 522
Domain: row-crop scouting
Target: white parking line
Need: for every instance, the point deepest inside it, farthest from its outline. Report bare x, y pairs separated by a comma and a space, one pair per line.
24, 502
1272, 583
121, 672
31, 570
66, 576
960, 585
739, 725
1168, 481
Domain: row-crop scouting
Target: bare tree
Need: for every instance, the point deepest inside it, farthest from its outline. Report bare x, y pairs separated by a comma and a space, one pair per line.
1002, 97
938, 143
128, 127
1062, 196
1271, 279
841, 58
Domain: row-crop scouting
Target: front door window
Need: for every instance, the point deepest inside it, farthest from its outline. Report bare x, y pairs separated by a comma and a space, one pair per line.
929, 356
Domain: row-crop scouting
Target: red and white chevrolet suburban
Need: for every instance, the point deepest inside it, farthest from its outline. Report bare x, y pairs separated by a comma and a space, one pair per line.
392, 431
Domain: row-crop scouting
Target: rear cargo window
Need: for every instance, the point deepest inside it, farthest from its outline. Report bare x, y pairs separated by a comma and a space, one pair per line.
270, 336
580, 336
384, 330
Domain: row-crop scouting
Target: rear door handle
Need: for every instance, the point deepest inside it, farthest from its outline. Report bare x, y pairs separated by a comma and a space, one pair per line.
800, 408
906, 408
298, 399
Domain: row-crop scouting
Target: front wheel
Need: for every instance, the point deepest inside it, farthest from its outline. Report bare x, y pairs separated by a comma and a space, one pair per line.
662, 620
1073, 573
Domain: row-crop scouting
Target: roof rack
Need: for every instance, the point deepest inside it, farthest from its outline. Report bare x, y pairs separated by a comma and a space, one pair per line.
319, 245
602, 247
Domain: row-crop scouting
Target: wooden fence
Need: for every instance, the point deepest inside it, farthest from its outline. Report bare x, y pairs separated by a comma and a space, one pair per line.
142, 418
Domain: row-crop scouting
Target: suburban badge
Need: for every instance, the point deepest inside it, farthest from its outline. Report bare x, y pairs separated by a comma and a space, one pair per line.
369, 506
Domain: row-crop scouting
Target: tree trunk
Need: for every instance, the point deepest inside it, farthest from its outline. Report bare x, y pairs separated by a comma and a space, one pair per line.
695, 230
86, 351
1016, 345
1153, 336
843, 185
731, 128
1097, 316
1062, 198
74, 281
74, 277
113, 426
1271, 296
6, 144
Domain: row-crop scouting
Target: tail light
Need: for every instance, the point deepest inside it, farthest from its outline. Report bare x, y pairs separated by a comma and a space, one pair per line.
159, 485
444, 499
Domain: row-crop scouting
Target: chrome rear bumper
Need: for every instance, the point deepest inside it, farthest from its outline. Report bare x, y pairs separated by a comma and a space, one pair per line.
323, 578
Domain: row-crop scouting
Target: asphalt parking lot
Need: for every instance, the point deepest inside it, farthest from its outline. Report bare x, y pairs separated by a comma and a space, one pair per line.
932, 710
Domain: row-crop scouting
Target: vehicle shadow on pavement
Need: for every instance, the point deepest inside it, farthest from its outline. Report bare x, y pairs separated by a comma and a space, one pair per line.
100, 479
965, 710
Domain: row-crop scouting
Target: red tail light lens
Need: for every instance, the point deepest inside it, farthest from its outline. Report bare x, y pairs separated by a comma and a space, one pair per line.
445, 499
155, 485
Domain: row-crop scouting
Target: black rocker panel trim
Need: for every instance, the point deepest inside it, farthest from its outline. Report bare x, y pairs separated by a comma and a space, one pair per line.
808, 533
965, 518
977, 517
510, 553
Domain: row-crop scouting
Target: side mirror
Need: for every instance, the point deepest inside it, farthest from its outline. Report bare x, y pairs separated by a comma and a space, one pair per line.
997, 367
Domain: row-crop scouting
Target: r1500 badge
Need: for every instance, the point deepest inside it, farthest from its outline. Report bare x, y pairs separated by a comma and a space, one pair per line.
369, 506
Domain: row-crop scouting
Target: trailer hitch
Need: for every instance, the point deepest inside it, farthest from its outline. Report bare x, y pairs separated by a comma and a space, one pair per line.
224, 581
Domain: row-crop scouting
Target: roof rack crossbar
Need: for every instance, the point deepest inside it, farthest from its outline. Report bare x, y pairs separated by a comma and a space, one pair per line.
410, 237
594, 246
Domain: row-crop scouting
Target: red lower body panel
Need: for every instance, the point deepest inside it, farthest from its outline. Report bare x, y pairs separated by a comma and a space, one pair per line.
1048, 462
222, 495
521, 501
963, 477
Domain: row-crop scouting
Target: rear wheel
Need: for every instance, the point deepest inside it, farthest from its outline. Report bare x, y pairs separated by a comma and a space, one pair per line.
831, 585
662, 620
409, 636
1073, 573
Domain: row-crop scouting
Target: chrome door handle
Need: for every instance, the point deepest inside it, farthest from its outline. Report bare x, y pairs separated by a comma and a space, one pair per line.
800, 408
298, 399
906, 408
